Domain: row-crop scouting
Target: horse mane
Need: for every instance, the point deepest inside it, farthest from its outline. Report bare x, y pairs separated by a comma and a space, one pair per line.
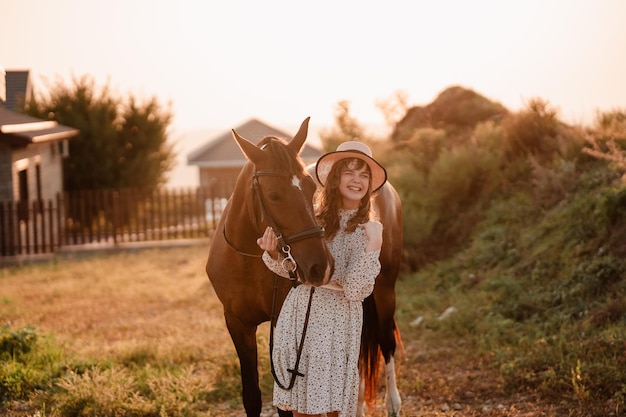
283, 157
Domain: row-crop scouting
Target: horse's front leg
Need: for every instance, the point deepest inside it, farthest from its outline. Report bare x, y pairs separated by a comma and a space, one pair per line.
244, 339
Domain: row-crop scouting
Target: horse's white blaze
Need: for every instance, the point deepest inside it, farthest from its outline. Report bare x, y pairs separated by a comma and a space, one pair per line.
295, 181
392, 395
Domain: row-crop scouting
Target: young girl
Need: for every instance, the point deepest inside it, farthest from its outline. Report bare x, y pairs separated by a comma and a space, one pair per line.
328, 375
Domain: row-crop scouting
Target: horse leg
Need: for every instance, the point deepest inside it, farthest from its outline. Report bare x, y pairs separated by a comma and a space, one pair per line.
388, 346
392, 396
360, 408
244, 339
393, 401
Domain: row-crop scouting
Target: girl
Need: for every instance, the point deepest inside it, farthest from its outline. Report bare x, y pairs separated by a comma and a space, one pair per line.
327, 380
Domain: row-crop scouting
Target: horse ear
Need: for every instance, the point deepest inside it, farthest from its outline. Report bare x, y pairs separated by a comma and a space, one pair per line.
251, 151
298, 140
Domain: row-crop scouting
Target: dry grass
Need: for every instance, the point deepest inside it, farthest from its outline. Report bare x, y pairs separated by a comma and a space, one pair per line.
111, 304
160, 301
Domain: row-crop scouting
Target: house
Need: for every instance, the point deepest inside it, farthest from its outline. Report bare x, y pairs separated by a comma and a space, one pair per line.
31, 149
31, 171
220, 160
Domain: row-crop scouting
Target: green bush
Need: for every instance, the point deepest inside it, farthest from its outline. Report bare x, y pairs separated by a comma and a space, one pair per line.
29, 362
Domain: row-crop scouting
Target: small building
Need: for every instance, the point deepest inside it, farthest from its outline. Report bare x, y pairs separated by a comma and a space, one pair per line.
31, 165
31, 149
220, 160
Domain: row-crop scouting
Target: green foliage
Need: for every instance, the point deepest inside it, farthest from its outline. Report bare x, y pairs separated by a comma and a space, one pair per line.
118, 391
442, 189
540, 292
533, 131
347, 128
122, 143
28, 363
15, 344
36, 371
607, 141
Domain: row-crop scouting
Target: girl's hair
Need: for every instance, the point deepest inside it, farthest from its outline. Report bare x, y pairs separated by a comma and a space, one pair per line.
330, 199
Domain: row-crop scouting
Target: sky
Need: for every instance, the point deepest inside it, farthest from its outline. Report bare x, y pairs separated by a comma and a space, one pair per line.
220, 63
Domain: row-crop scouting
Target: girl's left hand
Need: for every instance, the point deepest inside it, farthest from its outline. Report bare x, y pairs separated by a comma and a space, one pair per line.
374, 233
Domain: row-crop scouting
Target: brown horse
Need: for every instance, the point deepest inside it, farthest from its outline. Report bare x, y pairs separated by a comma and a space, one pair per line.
274, 190
381, 337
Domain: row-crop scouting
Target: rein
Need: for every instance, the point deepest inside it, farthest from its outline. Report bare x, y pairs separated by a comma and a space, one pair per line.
294, 372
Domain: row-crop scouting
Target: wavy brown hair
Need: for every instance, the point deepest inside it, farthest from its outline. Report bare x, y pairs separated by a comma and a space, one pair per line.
330, 200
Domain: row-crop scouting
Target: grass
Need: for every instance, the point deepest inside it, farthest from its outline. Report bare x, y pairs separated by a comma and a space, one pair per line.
142, 334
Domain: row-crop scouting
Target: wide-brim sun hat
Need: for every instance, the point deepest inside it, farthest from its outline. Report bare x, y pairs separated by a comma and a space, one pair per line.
351, 149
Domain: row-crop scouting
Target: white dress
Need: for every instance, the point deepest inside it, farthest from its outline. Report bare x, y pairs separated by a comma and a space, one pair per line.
331, 348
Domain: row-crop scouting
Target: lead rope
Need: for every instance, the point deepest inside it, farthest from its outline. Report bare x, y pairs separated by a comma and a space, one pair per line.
294, 372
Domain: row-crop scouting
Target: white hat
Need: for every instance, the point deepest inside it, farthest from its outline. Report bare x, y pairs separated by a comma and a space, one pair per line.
351, 149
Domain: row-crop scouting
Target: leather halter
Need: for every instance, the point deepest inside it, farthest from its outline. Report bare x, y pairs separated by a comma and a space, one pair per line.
289, 263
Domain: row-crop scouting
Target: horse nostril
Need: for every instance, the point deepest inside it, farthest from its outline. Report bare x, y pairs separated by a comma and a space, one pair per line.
316, 273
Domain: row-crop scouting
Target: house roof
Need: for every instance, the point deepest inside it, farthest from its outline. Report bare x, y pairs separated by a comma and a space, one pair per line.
18, 129
16, 88
223, 152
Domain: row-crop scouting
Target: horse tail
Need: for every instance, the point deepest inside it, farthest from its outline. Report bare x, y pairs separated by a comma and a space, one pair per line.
369, 359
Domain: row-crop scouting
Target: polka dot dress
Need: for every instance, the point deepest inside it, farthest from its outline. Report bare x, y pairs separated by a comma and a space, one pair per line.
330, 353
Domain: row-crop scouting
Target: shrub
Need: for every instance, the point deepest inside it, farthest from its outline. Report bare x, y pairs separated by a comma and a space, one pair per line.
535, 131
28, 362
552, 184
607, 141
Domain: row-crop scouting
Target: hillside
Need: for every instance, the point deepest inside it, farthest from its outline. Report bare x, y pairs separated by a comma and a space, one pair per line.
510, 221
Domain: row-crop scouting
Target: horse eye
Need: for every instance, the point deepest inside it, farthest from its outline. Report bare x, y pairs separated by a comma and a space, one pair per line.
273, 197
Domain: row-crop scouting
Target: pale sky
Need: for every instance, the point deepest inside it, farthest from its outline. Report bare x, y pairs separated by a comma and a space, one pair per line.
223, 62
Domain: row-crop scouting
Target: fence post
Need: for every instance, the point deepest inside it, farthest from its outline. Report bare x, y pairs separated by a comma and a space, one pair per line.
116, 208
4, 235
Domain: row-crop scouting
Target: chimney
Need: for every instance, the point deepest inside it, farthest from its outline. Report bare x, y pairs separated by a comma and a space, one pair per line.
3, 86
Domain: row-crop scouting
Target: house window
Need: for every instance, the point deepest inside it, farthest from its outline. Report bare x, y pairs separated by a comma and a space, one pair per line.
39, 194
38, 179
22, 204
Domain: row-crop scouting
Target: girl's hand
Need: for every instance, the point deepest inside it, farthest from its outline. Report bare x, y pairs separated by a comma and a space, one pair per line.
268, 242
374, 233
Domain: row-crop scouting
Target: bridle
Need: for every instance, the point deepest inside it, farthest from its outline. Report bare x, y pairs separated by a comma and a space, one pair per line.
289, 264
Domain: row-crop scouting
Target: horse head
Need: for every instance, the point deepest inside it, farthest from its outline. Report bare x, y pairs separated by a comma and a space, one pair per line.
279, 194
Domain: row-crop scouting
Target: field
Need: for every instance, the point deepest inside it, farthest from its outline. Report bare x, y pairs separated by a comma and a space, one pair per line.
150, 319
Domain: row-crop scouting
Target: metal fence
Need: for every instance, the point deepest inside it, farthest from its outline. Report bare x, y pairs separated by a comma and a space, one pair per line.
107, 218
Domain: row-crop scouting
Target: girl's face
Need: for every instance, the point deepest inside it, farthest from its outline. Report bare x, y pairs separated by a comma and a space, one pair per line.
354, 183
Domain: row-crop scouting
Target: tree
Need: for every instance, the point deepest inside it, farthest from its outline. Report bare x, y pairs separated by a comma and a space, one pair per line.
347, 128
121, 144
